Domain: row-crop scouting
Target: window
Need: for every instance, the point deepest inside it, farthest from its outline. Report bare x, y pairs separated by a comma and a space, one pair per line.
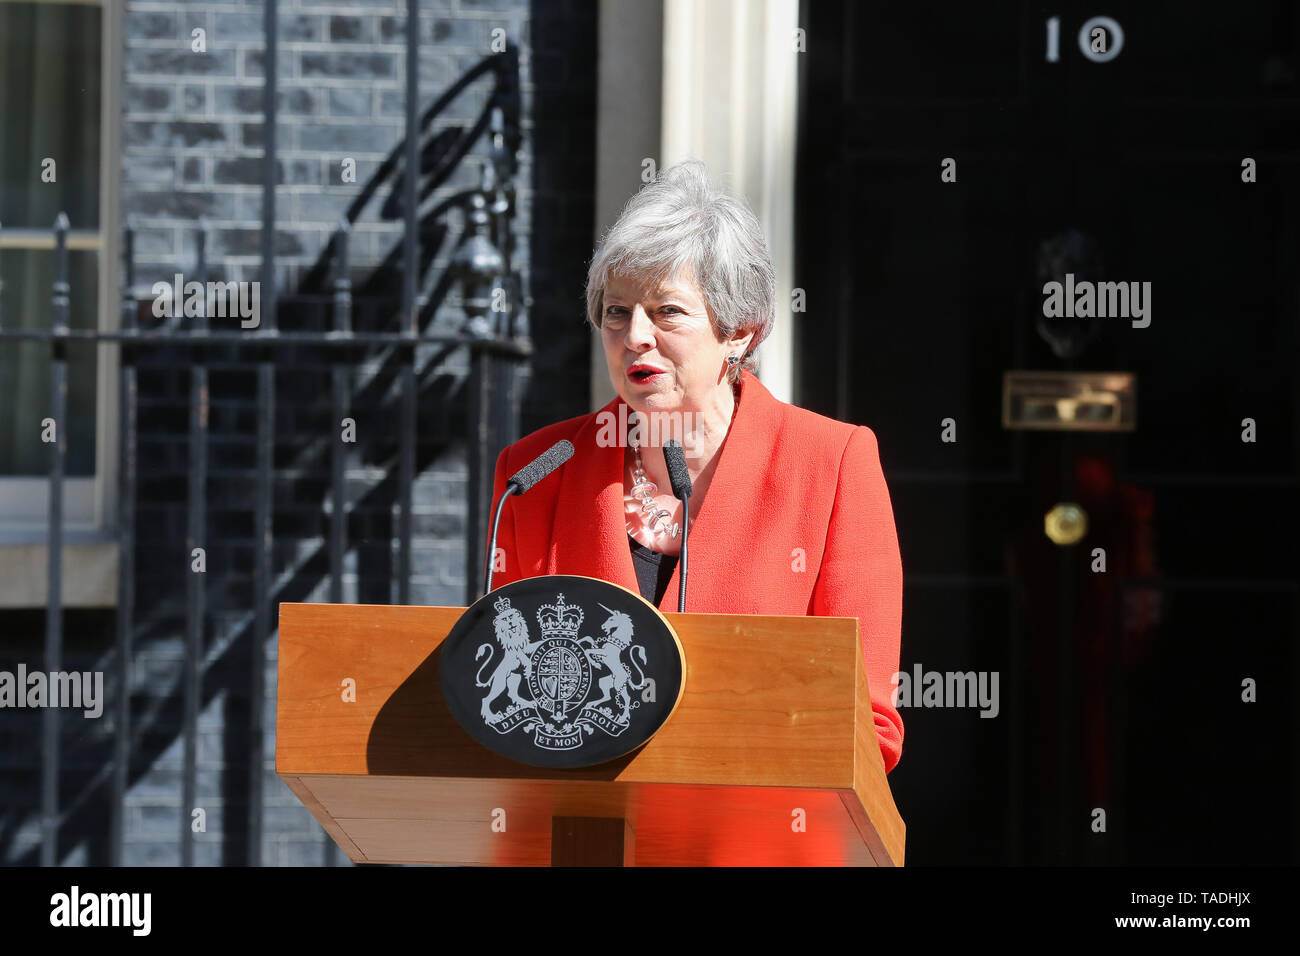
58, 100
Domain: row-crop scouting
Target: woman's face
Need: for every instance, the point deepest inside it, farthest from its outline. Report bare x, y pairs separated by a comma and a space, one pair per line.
660, 346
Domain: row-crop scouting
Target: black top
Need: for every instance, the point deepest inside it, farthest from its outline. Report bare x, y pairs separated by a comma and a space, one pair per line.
653, 570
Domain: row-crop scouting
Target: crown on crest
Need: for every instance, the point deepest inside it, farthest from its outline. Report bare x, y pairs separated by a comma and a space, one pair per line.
560, 618
502, 604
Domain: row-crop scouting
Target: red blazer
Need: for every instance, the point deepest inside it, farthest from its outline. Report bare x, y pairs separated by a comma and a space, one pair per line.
797, 521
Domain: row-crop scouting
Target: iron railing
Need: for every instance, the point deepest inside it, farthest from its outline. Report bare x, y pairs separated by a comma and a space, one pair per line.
497, 343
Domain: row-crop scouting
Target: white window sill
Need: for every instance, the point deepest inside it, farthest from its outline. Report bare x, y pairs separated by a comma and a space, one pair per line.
89, 571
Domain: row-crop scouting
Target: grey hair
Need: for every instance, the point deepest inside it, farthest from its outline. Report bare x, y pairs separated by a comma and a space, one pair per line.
681, 222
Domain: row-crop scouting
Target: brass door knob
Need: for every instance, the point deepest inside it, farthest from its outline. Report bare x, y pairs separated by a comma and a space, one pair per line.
1066, 523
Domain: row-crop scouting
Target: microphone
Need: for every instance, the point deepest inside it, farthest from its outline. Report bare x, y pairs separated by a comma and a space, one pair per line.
541, 466
679, 477
523, 480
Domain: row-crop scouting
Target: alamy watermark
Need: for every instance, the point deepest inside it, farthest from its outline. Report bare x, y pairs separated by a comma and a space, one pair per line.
76, 689
922, 688
181, 299
1086, 299
649, 430
75, 908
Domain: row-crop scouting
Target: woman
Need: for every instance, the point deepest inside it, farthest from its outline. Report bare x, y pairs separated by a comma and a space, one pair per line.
789, 514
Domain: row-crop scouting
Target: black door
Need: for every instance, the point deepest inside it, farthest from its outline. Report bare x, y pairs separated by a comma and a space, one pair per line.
1122, 734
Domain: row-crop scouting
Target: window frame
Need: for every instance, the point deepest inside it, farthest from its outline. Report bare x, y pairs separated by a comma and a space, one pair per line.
90, 502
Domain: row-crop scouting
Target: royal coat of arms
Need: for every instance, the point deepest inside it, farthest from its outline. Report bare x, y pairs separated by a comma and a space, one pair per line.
562, 682
557, 671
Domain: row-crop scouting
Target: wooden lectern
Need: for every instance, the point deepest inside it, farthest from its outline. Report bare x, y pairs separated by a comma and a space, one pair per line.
770, 759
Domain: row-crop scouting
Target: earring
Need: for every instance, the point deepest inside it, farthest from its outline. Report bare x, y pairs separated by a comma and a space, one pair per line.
733, 360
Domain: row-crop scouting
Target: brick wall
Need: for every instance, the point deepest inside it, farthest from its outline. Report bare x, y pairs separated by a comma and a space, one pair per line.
192, 137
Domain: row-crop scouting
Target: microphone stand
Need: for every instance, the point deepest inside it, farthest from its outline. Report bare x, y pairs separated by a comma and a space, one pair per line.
511, 489
681, 584
680, 480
